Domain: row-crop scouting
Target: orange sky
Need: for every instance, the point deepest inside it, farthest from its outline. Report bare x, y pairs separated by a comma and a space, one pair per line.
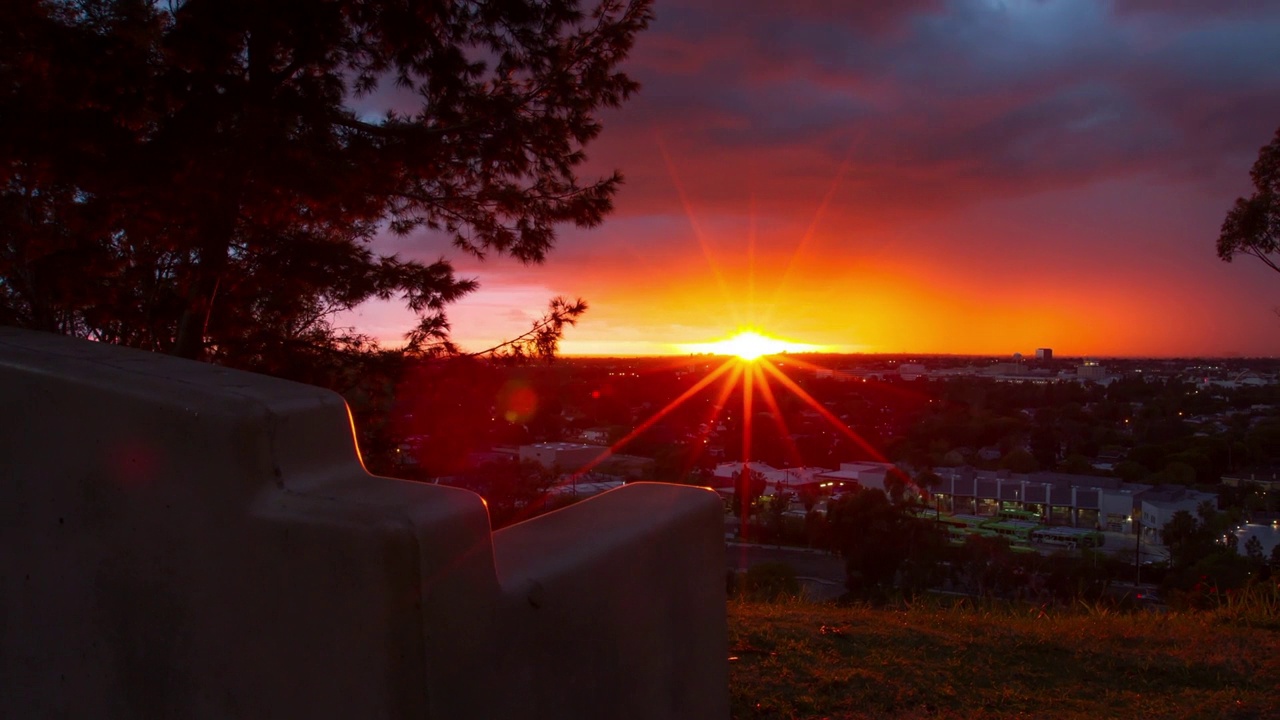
939, 177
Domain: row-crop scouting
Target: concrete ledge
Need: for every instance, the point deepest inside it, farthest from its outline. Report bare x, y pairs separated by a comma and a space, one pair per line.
623, 599
178, 539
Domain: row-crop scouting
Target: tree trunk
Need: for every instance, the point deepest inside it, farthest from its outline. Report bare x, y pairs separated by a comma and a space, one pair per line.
223, 220
217, 233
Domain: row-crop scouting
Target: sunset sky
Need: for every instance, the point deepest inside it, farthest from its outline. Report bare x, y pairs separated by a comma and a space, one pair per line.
973, 176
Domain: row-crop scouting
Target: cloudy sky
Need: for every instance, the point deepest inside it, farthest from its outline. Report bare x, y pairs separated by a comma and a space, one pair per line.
963, 176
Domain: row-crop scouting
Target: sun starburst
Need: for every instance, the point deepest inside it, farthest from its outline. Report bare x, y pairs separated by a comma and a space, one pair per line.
748, 345
742, 369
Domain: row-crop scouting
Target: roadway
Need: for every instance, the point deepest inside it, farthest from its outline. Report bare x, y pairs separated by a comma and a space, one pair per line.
820, 573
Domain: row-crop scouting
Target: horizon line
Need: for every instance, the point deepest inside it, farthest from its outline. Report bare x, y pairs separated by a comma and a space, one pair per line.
1056, 356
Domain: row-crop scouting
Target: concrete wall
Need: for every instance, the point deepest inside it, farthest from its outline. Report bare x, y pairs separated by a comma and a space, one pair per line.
182, 540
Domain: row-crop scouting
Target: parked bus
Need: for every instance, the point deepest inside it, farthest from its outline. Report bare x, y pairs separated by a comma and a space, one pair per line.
1023, 535
1030, 516
972, 522
960, 527
1015, 530
1068, 537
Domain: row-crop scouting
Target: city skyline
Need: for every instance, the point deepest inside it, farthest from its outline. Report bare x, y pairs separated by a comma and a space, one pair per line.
951, 178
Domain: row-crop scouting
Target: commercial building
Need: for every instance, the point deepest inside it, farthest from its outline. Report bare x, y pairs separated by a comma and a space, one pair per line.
775, 479
1087, 501
911, 371
1159, 507
1091, 370
1266, 479
566, 456
863, 474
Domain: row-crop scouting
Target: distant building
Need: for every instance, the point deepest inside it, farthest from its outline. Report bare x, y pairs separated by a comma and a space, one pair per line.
1267, 479
566, 456
861, 474
1091, 370
1058, 499
595, 436
724, 476
794, 480
1006, 368
630, 466
1082, 501
1159, 506
911, 371
585, 486
1045, 354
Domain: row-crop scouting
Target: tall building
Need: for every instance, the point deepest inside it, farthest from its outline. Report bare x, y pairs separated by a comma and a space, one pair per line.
1044, 353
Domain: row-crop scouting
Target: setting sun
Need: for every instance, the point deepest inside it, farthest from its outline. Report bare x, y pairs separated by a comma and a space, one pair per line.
748, 345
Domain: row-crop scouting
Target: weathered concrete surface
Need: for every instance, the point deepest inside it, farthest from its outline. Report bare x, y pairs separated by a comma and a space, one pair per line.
182, 540
622, 598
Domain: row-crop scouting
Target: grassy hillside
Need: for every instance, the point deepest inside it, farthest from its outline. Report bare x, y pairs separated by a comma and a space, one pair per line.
797, 660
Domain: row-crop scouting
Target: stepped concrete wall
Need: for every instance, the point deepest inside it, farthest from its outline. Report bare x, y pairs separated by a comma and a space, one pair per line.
183, 540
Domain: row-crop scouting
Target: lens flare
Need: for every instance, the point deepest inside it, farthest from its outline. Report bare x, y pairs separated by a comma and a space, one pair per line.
517, 403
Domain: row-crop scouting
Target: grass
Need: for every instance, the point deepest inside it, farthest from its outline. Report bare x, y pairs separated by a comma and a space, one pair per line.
800, 660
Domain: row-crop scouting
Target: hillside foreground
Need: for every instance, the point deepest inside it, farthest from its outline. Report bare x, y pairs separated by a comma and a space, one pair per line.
801, 660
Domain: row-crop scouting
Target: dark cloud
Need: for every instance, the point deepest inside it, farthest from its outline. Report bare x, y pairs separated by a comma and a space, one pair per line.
693, 20
1195, 9
968, 97
954, 148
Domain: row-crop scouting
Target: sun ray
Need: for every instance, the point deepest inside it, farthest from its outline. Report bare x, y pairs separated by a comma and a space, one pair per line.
825, 413
783, 281
744, 497
695, 225
752, 230
653, 419
718, 405
608, 452
712, 418
766, 394
811, 366
888, 388
658, 365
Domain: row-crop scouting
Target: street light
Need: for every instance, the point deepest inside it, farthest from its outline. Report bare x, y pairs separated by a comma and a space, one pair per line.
1137, 553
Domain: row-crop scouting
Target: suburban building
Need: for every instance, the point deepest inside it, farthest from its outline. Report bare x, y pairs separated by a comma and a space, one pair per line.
1091, 370
911, 371
1087, 501
595, 436
794, 480
864, 474
1159, 507
566, 456
1267, 479
1083, 501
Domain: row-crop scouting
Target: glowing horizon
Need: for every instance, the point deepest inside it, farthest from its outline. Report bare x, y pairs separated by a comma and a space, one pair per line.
747, 345
739, 371
775, 181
